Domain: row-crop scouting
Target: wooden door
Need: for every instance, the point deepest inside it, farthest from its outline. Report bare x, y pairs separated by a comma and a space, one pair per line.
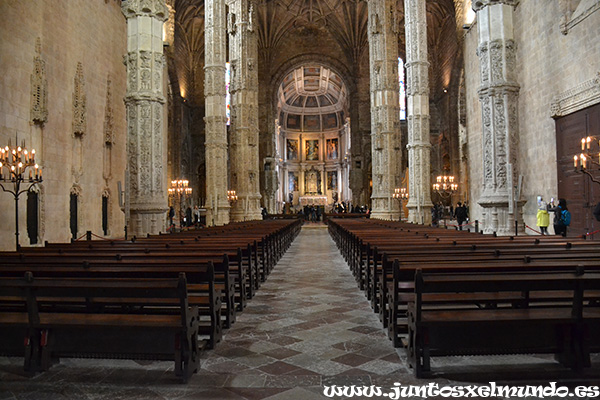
581, 193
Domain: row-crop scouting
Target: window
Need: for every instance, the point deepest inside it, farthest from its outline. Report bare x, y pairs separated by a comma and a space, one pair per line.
228, 96
402, 89
32, 217
73, 215
105, 215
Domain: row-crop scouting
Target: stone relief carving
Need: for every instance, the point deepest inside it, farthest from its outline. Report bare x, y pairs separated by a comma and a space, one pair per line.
577, 98
496, 60
375, 24
483, 62
231, 27
39, 87
251, 17
108, 116
79, 103
511, 59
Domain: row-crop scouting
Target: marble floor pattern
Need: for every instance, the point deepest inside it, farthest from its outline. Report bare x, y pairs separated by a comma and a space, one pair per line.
308, 327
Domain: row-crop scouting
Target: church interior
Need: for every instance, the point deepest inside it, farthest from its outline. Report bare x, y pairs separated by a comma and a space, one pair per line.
204, 114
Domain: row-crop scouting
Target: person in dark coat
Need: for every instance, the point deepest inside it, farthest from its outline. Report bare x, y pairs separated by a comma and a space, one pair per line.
560, 228
461, 215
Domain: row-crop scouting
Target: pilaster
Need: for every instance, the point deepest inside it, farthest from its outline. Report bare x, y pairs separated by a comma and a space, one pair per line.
144, 101
385, 118
498, 95
417, 93
217, 205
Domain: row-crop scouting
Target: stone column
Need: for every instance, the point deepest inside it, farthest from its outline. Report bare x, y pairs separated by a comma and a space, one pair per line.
417, 93
144, 100
243, 58
385, 118
217, 206
498, 95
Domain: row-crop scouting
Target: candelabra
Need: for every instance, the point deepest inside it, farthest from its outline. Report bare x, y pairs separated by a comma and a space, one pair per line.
586, 159
231, 196
17, 160
400, 194
178, 191
445, 185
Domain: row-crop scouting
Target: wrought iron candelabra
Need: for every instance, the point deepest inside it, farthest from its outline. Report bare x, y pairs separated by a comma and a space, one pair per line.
587, 159
15, 162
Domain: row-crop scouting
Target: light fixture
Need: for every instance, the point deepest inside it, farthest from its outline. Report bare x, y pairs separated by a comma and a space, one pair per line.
445, 185
17, 160
587, 158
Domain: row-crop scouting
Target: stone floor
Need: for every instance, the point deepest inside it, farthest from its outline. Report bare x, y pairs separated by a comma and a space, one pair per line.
308, 327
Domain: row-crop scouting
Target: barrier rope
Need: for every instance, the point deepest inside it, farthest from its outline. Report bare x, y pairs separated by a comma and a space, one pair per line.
592, 233
531, 229
100, 237
81, 237
459, 226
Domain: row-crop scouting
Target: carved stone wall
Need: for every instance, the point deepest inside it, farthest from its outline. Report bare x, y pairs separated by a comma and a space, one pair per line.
39, 87
41, 61
144, 101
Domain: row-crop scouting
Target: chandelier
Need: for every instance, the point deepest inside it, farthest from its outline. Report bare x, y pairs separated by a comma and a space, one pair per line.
445, 185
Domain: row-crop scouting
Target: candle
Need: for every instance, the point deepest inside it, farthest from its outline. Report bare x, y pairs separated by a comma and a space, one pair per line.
588, 141
583, 160
575, 161
582, 144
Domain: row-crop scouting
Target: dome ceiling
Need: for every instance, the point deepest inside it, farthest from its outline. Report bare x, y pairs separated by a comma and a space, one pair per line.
312, 98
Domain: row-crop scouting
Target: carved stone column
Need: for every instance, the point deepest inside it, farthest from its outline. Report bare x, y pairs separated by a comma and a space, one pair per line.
217, 206
417, 93
498, 94
385, 118
145, 177
243, 57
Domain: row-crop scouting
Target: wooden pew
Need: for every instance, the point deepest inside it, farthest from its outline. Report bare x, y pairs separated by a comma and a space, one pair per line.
83, 317
540, 324
203, 294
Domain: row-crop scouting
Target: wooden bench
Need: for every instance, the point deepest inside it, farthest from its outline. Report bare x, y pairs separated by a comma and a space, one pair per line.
148, 319
443, 322
203, 293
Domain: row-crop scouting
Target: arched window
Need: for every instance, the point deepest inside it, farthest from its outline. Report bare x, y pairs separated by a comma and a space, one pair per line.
402, 95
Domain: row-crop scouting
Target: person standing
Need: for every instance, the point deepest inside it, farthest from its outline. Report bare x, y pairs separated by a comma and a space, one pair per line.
543, 218
461, 215
562, 217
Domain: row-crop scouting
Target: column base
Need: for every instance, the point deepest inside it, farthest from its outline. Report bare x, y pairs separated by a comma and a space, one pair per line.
143, 222
497, 218
423, 217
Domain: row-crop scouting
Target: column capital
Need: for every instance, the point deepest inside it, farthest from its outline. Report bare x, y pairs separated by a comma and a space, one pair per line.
144, 8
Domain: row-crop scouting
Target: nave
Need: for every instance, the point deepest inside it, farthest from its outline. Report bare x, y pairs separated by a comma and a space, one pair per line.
307, 327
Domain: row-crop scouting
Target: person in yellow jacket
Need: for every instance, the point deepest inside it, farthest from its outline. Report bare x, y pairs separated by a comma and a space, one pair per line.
543, 218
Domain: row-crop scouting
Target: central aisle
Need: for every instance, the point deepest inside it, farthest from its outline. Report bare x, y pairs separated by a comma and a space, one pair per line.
308, 326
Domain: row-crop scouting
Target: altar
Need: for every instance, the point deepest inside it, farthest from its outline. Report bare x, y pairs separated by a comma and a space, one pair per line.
313, 200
